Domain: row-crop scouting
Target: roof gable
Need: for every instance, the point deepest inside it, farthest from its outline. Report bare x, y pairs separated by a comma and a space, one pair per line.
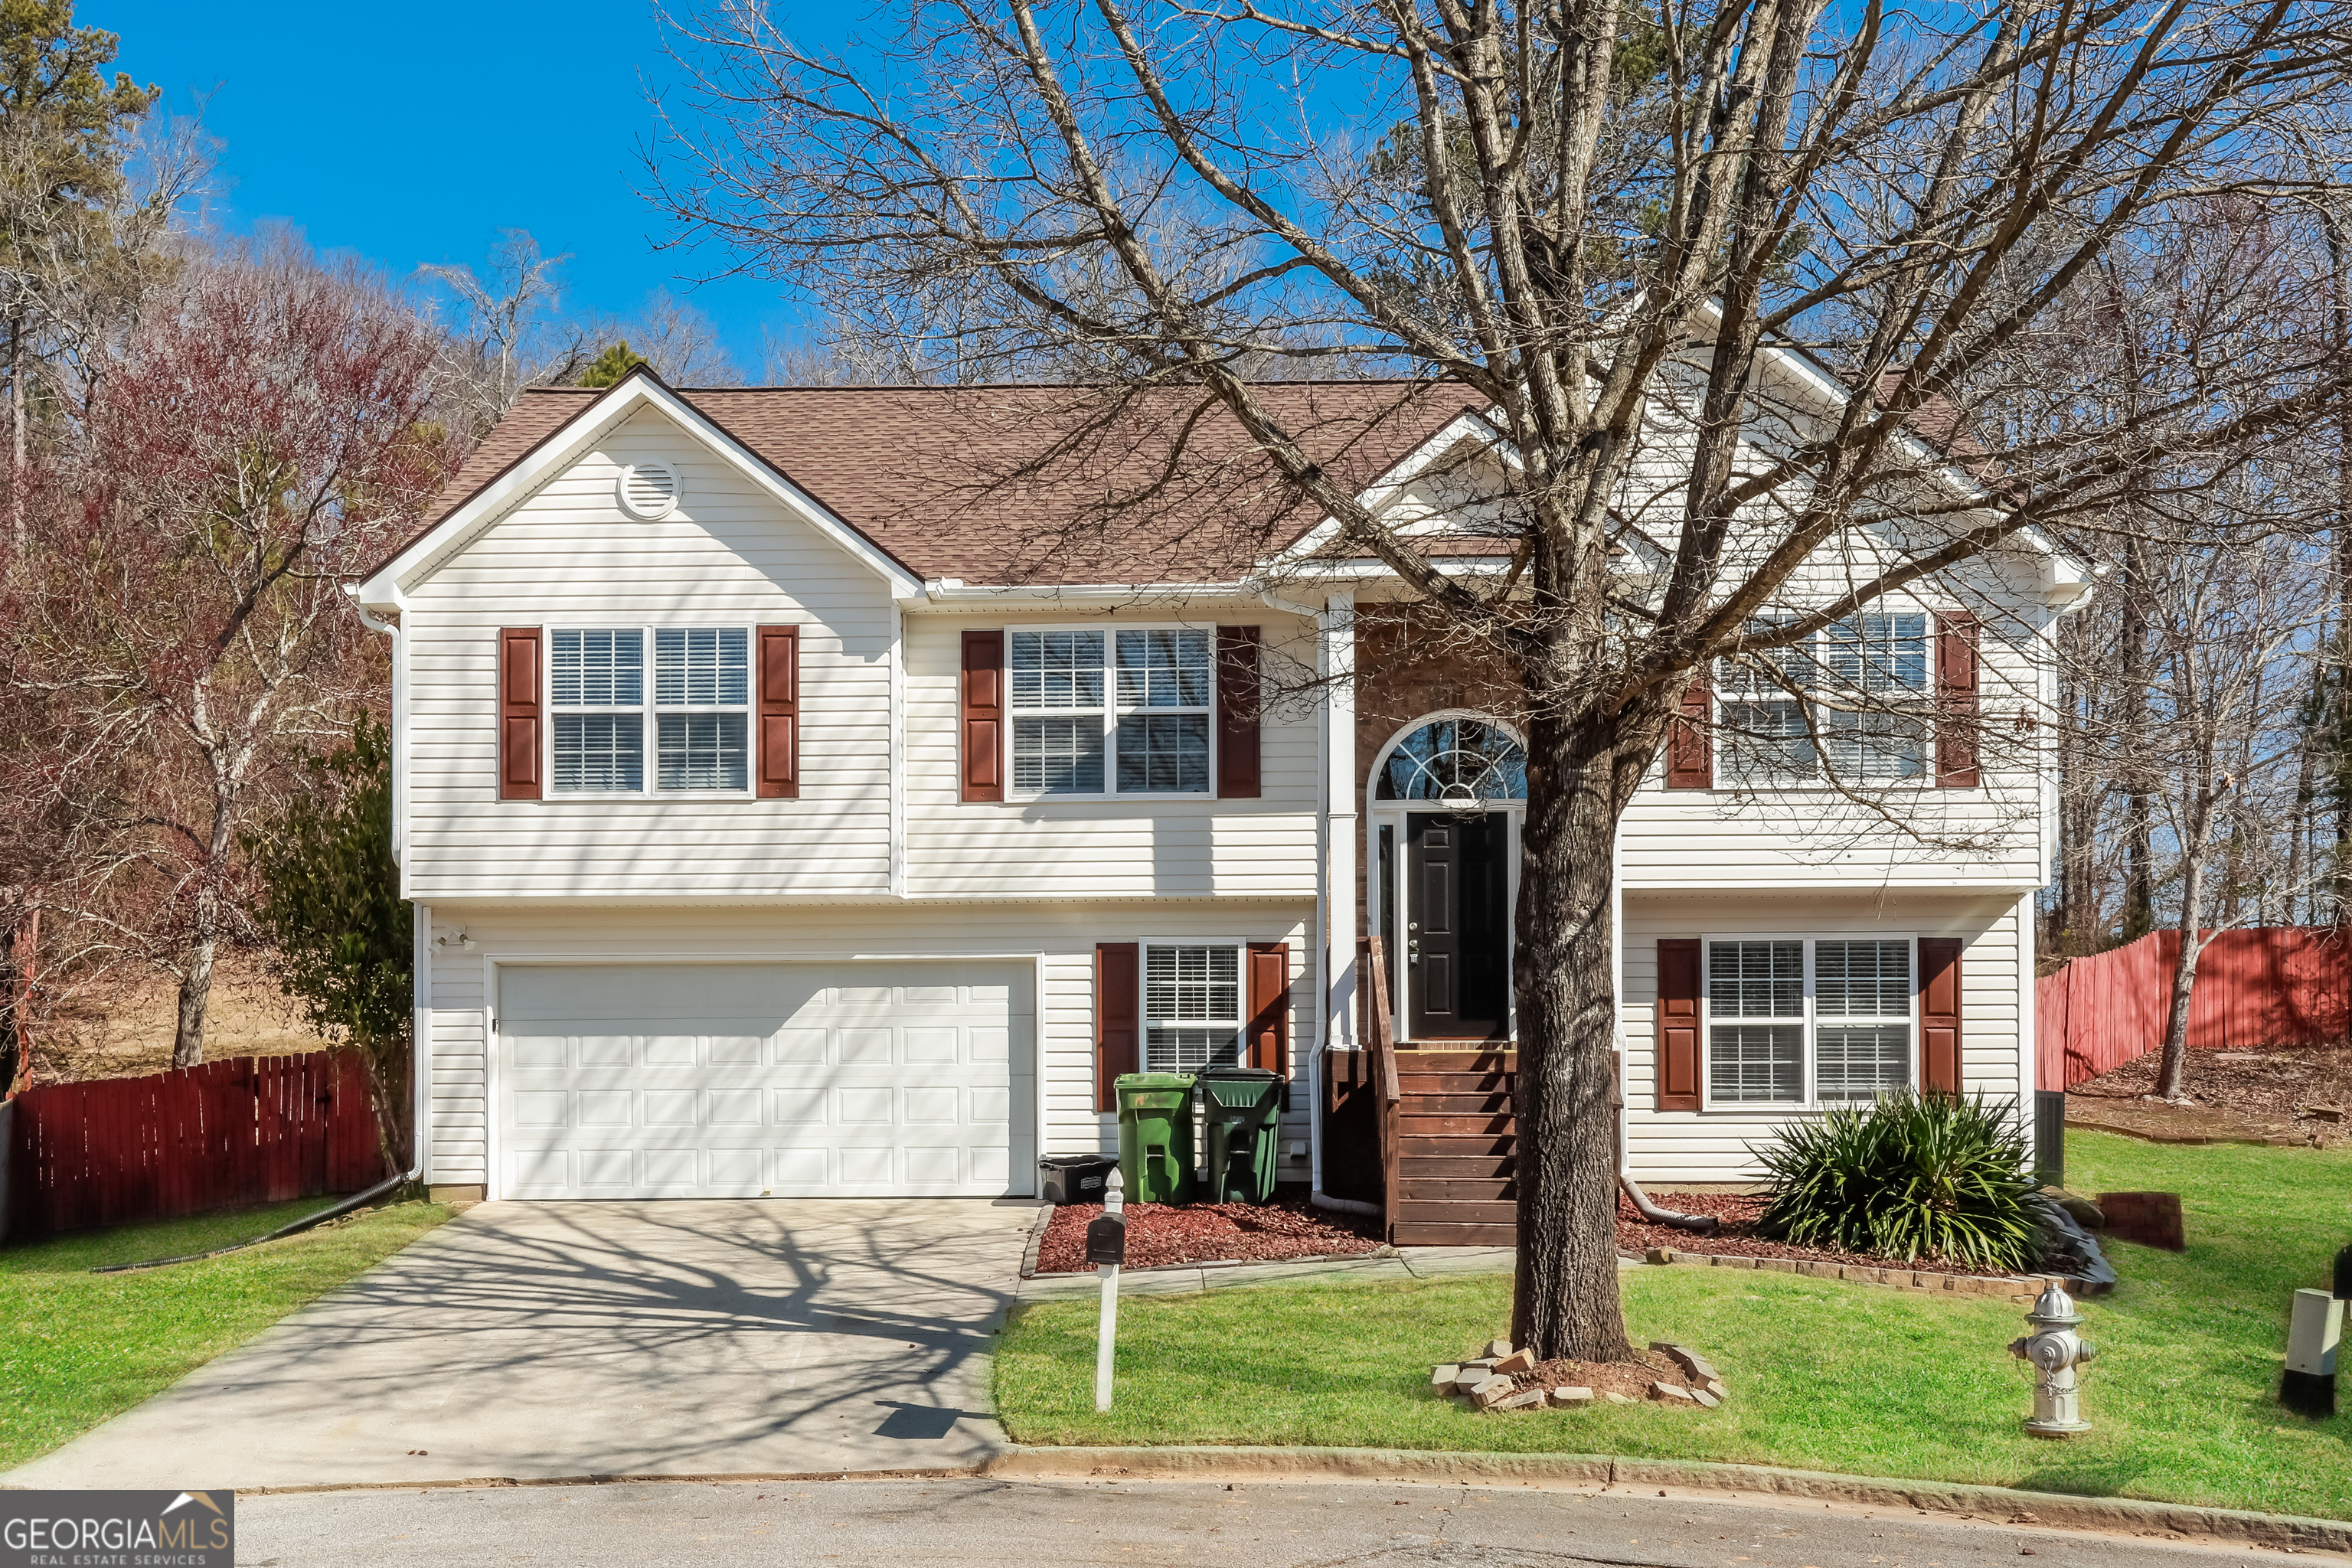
554, 432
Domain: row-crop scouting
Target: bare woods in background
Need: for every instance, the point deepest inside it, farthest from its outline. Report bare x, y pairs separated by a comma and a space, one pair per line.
1656, 245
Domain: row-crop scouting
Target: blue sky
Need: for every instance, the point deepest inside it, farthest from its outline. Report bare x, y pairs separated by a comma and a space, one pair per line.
413, 133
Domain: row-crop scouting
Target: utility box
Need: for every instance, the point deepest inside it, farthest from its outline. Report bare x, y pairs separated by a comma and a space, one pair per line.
1155, 1136
1244, 1106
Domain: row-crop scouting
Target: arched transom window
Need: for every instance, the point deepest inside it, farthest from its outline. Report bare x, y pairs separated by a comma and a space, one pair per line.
1456, 762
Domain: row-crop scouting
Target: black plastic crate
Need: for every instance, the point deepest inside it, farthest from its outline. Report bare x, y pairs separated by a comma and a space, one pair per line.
1075, 1178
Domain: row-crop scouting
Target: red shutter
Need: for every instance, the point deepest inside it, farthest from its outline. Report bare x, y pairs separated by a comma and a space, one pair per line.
1266, 1039
779, 713
983, 717
519, 713
1940, 1013
1117, 998
1957, 699
1690, 760
1677, 1024
1237, 680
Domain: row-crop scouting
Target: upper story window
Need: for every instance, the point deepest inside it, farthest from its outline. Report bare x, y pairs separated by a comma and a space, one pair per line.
1796, 1022
700, 711
1854, 696
1118, 711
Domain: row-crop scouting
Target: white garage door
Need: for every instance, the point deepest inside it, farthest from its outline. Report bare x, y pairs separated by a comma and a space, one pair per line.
785, 1079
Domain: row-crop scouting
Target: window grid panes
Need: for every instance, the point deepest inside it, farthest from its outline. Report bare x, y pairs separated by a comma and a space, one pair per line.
1849, 702
701, 716
1191, 1008
1783, 1011
1142, 695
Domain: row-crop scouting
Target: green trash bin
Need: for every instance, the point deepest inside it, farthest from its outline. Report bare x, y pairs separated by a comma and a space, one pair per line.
1244, 1106
1155, 1136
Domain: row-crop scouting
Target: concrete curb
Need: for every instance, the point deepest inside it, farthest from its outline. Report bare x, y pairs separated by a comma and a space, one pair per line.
2051, 1509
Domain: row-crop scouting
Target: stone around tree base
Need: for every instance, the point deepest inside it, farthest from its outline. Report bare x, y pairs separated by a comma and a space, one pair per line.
1616, 1398
1567, 1396
1668, 1393
1531, 1400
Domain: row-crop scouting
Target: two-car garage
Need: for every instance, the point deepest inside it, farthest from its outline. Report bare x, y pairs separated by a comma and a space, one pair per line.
857, 1078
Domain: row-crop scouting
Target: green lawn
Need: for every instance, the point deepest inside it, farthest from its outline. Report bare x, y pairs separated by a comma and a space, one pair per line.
81, 1347
1823, 1375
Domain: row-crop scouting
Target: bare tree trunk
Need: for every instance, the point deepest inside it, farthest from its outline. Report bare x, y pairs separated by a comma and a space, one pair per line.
2078, 810
204, 943
1565, 1300
2192, 946
18, 542
2139, 671
2337, 722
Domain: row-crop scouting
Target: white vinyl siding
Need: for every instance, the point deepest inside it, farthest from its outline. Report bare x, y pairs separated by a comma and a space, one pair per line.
1716, 1144
1064, 847
1057, 940
567, 557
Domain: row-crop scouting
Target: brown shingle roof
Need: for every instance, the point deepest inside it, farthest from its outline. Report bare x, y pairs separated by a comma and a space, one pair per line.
1037, 484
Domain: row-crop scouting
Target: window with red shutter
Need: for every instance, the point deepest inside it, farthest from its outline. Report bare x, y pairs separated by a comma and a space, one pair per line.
983, 759
1940, 1013
1677, 1024
1957, 700
520, 713
779, 775
1266, 1041
1117, 1003
1237, 712
1689, 755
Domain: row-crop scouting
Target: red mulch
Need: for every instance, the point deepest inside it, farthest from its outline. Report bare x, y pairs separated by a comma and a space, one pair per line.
1160, 1234
1736, 1237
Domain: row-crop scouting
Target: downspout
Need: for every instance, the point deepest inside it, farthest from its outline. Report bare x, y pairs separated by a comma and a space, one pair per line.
1325, 749
1703, 1223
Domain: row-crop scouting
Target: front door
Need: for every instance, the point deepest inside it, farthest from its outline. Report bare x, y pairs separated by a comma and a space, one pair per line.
1457, 926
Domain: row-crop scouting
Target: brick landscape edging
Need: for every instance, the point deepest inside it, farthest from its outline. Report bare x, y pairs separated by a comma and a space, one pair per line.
2055, 1510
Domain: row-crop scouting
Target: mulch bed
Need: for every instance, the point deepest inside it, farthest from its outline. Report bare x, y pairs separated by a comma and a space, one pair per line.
1737, 1237
1630, 1378
1162, 1234
2258, 1096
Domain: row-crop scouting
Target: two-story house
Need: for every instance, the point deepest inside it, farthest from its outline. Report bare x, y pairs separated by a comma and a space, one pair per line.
782, 819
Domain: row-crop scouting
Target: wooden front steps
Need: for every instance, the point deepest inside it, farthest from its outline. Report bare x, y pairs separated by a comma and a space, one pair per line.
1456, 1140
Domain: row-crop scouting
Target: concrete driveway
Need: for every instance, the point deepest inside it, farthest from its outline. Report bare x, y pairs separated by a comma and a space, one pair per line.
536, 1341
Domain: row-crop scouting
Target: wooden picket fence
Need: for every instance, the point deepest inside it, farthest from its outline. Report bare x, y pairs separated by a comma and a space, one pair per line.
2264, 986
249, 1129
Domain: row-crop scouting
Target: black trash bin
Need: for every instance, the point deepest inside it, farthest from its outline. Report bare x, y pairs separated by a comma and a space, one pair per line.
1245, 1113
1075, 1178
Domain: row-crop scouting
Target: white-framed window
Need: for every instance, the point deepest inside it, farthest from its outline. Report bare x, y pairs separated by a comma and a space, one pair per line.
1864, 681
697, 703
1795, 1021
1191, 1005
1111, 711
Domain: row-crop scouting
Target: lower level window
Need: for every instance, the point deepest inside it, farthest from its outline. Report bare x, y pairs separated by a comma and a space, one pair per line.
1795, 1021
1191, 1008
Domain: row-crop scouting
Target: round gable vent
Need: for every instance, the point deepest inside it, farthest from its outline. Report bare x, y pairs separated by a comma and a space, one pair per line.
648, 489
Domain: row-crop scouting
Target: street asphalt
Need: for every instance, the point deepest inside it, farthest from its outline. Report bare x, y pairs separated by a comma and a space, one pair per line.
1068, 1524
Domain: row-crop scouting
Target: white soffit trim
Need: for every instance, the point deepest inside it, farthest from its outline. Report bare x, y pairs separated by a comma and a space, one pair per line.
571, 441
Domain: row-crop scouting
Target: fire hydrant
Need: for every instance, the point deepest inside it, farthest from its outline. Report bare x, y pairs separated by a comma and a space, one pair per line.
2055, 1350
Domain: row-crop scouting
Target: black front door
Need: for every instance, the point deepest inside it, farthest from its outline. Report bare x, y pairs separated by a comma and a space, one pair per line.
1457, 907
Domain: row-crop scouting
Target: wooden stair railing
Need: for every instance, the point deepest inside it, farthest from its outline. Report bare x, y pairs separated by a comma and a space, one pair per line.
1381, 1038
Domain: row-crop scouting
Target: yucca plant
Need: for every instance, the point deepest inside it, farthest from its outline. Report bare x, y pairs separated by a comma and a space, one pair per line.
1911, 1177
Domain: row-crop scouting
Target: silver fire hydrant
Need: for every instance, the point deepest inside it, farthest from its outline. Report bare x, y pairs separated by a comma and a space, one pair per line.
2055, 1350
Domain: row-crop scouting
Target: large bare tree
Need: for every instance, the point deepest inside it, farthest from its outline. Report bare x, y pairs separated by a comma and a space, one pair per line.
1583, 213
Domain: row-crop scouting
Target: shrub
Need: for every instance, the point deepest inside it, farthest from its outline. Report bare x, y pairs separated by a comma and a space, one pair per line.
1911, 1177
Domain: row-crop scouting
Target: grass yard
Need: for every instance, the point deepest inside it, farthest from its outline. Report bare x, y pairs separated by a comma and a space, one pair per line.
1823, 1375
81, 1347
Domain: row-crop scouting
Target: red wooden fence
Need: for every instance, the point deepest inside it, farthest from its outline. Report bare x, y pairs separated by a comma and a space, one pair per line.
2267, 985
248, 1131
